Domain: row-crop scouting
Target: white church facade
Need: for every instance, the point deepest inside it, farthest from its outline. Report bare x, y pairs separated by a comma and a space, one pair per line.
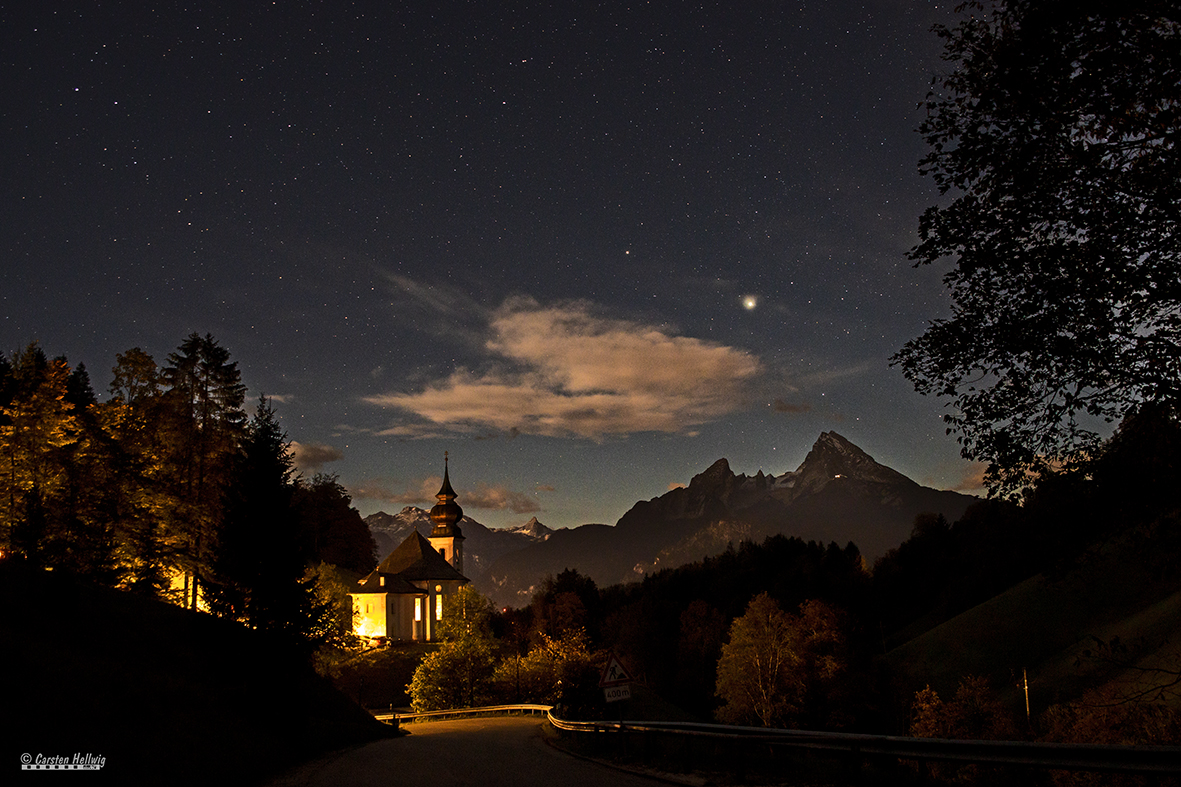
406, 596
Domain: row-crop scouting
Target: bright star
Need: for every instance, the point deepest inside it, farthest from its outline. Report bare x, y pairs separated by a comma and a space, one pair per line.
749, 302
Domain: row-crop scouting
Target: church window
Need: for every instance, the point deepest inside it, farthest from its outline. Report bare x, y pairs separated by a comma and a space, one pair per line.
418, 609
438, 607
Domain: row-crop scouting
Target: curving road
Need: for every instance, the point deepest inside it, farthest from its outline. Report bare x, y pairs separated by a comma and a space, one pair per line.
483, 752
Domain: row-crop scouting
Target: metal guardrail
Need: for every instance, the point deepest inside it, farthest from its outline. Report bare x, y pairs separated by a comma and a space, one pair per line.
1053, 756
452, 713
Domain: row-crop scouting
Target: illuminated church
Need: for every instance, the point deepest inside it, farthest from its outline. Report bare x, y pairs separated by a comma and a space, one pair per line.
405, 597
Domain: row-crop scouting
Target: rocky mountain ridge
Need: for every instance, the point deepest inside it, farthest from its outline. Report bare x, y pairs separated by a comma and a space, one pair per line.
837, 494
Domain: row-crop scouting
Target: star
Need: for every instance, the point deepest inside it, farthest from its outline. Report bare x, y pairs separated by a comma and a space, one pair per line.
749, 302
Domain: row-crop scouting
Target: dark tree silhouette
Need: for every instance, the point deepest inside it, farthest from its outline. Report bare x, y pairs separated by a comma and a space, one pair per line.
259, 572
205, 422
1055, 133
330, 529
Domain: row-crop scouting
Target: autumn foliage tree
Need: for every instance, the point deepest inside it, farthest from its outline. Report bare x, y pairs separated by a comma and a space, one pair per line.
556, 670
459, 674
774, 660
1054, 135
975, 712
39, 430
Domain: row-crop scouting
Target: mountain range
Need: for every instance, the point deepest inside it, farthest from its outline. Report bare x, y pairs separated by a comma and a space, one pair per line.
481, 545
837, 494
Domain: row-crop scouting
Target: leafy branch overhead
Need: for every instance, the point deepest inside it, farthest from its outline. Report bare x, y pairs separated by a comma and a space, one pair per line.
1054, 138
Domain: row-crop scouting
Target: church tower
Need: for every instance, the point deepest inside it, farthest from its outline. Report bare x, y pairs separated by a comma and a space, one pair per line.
446, 535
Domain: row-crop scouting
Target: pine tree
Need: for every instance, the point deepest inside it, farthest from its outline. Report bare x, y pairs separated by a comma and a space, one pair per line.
139, 497
259, 571
205, 422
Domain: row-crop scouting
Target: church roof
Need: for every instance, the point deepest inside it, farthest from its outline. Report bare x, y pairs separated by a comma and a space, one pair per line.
393, 584
414, 560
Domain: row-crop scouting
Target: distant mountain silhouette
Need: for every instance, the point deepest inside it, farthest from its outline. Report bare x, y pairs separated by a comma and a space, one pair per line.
838, 494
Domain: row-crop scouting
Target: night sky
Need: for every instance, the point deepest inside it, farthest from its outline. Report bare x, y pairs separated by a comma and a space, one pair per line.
587, 248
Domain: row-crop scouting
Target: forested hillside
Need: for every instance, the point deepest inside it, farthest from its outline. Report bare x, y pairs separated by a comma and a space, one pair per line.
169, 489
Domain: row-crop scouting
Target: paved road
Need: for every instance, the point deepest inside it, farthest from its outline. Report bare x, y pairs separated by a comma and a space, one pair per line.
486, 752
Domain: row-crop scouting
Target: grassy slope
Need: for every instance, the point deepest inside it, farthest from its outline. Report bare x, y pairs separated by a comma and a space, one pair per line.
1042, 625
164, 694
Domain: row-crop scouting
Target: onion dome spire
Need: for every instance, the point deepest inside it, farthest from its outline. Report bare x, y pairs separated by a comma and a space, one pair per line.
446, 513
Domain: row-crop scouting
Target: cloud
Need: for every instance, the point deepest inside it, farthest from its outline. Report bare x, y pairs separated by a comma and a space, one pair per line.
422, 493
499, 498
417, 494
568, 372
788, 407
441, 311
973, 479
829, 376
442, 300
281, 398
310, 457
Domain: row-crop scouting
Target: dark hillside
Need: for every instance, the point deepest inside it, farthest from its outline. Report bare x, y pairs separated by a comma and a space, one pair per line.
165, 695
1048, 625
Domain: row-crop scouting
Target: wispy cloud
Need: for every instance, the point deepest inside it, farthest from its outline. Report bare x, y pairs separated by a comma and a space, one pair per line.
795, 408
490, 497
571, 372
834, 374
310, 457
415, 493
500, 498
972, 481
443, 311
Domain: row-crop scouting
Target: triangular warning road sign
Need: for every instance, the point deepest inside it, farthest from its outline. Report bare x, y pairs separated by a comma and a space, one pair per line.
614, 674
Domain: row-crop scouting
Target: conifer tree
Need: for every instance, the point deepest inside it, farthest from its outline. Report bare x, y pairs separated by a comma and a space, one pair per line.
139, 498
259, 571
205, 422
